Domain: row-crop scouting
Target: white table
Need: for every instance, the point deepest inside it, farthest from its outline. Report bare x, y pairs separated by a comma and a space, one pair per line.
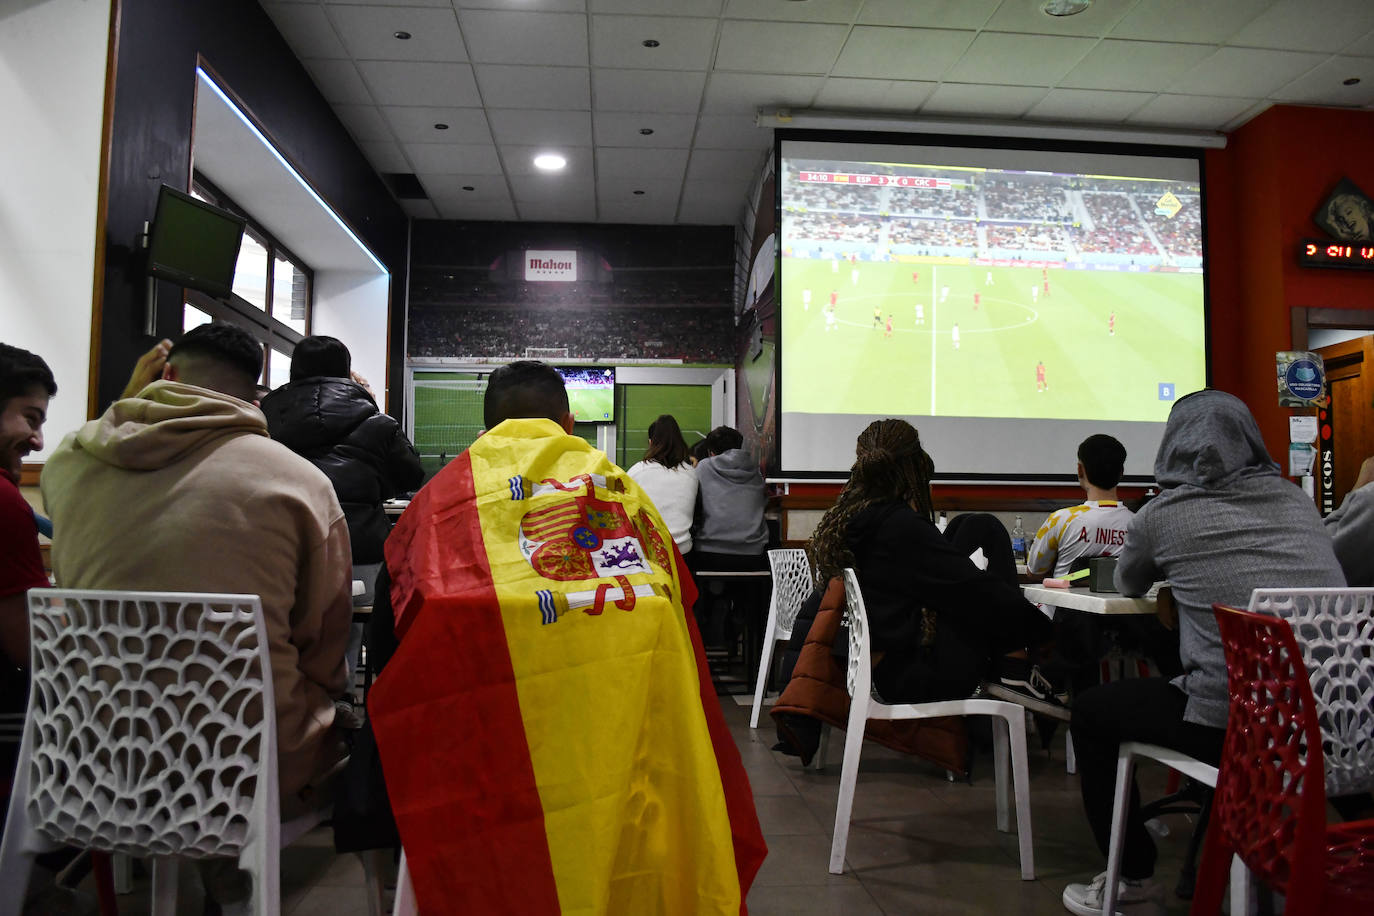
1090, 602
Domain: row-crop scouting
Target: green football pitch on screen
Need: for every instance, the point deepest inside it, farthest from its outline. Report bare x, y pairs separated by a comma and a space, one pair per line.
909, 338
592, 405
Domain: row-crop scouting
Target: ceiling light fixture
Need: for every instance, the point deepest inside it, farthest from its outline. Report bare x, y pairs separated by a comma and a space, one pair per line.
638, 192
1066, 7
1353, 81
650, 43
549, 162
403, 36
468, 187
441, 126
646, 130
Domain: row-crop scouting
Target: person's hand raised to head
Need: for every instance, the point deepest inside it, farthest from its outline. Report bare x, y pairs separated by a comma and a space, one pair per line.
148, 369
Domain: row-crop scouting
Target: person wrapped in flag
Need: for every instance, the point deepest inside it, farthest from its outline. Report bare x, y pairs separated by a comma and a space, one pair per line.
548, 731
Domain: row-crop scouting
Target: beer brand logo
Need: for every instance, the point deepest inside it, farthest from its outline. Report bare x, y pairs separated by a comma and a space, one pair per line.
545, 266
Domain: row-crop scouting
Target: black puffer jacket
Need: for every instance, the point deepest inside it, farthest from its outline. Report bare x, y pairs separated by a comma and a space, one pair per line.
335, 424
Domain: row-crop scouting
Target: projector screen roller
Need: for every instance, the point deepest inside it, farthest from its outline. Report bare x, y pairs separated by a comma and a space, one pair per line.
1009, 302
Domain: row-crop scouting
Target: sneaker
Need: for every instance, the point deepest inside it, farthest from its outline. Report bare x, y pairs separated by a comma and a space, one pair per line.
1086, 899
1020, 675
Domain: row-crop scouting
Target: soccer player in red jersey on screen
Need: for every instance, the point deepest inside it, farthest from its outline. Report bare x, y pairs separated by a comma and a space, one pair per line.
1111, 325
1040, 384
888, 331
977, 298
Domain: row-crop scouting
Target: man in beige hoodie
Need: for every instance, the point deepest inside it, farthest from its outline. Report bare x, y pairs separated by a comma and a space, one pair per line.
179, 488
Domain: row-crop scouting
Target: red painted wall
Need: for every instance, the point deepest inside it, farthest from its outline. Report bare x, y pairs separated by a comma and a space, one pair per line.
1262, 190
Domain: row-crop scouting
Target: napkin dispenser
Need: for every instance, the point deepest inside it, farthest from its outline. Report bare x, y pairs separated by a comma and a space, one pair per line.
1101, 571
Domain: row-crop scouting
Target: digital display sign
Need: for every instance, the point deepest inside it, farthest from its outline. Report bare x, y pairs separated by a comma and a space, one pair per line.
1345, 255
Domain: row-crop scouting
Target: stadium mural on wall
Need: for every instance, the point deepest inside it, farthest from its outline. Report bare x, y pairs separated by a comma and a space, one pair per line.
1346, 214
756, 334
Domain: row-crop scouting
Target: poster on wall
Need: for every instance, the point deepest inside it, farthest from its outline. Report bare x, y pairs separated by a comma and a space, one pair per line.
1301, 378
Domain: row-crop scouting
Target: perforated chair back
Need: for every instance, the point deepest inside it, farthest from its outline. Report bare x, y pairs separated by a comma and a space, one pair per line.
792, 582
146, 721
1334, 628
858, 676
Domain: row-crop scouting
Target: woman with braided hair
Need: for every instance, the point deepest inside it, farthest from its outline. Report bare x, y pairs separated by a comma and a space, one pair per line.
883, 526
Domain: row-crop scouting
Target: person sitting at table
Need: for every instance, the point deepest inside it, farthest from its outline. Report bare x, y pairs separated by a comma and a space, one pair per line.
1225, 522
179, 488
547, 730
326, 417
1351, 528
667, 475
882, 526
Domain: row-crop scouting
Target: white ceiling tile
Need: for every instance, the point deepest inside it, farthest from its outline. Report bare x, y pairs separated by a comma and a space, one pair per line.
1241, 72
306, 29
811, 11
1211, 22
519, 161
364, 122
1032, 19
384, 2
384, 155
448, 188
534, 87
419, 209
745, 92
873, 95
647, 90
905, 54
416, 125
779, 47
654, 207
731, 132
1291, 24
684, 44
554, 6
1116, 64
657, 7
951, 14
453, 159
618, 165
368, 32
418, 83
1019, 60
532, 127
724, 165
623, 129
1324, 85
1088, 105
495, 210
1254, 111
1190, 111
545, 212
338, 81
512, 37
969, 100
1361, 47
712, 203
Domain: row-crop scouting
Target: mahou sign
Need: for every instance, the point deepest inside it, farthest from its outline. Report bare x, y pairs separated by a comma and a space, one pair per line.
551, 265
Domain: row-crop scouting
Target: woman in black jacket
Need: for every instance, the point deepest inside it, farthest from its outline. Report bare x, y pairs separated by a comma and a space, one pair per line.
939, 625
331, 420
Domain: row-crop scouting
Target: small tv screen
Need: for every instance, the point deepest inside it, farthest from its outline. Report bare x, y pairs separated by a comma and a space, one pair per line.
591, 393
193, 243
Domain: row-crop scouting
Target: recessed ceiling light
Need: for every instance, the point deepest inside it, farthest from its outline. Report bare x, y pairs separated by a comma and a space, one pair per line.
646, 130
468, 187
441, 126
1066, 7
650, 43
404, 36
1353, 81
549, 162
638, 192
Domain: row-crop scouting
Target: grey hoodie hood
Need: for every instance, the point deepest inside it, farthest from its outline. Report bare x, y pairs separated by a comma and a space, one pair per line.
1211, 441
735, 466
165, 422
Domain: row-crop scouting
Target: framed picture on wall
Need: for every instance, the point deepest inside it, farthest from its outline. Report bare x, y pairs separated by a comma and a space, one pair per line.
1347, 214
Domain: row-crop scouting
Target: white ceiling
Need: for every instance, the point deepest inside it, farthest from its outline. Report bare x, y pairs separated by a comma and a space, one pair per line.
513, 77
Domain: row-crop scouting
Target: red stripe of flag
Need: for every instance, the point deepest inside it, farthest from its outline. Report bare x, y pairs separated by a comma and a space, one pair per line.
463, 794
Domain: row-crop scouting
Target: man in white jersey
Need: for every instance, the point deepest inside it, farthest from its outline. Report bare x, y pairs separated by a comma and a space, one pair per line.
1035, 293
944, 293
806, 300
1094, 528
920, 313
954, 336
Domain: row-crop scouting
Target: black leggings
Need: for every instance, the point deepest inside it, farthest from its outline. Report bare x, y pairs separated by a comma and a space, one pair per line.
1149, 710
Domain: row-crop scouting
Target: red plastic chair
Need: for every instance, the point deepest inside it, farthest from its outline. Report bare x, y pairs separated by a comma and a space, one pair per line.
1270, 802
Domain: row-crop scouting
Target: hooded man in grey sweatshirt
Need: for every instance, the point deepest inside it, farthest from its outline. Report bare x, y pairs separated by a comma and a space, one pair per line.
730, 530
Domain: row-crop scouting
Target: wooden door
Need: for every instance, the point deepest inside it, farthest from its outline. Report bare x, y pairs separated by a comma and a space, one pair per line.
1350, 375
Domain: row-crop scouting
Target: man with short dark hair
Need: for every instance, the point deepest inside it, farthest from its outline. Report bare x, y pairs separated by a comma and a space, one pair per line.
26, 384
730, 532
1094, 528
547, 692
179, 488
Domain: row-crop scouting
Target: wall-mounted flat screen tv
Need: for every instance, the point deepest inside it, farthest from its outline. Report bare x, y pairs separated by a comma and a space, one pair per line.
1007, 300
591, 393
194, 244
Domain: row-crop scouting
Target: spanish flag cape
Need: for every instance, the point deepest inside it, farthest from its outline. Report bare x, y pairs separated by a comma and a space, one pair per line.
548, 730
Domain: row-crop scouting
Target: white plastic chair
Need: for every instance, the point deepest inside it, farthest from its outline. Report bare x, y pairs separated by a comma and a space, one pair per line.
150, 717
404, 904
1009, 724
792, 582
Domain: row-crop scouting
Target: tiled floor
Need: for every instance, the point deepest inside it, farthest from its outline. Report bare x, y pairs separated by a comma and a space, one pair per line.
919, 843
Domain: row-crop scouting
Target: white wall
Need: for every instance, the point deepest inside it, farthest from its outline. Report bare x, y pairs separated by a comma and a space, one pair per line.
52, 96
352, 307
